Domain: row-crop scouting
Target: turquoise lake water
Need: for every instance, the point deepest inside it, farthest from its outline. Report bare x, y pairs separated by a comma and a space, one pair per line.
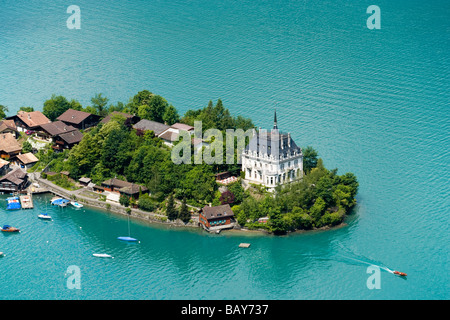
373, 102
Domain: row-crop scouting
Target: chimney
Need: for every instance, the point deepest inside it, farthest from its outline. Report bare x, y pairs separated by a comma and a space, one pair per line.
29, 116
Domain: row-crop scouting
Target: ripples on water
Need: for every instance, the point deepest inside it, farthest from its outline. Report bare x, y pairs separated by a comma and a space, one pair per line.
374, 103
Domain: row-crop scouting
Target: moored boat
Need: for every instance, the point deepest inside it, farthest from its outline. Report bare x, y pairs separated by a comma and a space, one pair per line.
129, 239
400, 273
102, 255
59, 202
76, 204
44, 216
7, 228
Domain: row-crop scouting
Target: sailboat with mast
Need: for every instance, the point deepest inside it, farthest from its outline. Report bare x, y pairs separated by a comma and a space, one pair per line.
128, 238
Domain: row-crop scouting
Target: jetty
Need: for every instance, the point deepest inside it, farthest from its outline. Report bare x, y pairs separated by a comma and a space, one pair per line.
26, 202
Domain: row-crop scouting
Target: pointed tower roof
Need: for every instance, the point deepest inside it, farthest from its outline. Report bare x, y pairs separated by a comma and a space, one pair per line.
275, 120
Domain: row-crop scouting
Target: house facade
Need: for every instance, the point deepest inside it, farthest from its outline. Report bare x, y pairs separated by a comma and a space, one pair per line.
272, 158
15, 181
216, 218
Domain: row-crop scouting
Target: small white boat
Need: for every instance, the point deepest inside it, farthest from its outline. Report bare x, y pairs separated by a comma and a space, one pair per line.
1, 254
76, 204
44, 216
102, 255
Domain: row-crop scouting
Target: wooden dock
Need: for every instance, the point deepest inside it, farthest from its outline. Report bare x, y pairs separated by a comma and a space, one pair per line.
26, 202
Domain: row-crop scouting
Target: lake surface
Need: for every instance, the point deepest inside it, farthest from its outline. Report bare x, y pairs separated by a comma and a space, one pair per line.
373, 102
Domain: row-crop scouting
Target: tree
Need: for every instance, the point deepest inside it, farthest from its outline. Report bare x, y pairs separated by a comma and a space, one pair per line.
227, 197
99, 103
26, 147
171, 212
310, 157
124, 200
55, 106
184, 214
3, 110
26, 109
171, 115
145, 203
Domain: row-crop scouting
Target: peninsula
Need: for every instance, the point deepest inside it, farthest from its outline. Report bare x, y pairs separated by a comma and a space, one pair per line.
123, 154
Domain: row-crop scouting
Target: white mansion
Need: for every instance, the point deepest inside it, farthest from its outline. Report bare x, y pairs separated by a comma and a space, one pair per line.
272, 158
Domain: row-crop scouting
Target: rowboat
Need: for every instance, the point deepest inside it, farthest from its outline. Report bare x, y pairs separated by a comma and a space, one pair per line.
7, 228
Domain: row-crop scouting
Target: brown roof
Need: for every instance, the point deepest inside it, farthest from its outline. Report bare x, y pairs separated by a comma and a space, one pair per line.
74, 116
182, 126
27, 158
32, 119
16, 176
56, 127
147, 125
7, 124
169, 136
222, 211
8, 143
84, 180
116, 183
3, 163
133, 189
72, 137
124, 186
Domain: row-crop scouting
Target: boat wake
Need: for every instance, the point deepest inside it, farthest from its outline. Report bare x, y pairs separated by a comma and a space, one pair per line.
352, 257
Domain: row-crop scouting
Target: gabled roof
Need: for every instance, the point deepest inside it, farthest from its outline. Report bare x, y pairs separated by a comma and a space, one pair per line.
16, 176
124, 186
182, 126
222, 211
74, 116
7, 124
8, 143
56, 127
72, 137
146, 125
27, 158
32, 119
169, 136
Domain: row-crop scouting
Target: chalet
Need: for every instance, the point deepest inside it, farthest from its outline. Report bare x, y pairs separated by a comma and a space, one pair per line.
27, 160
79, 119
147, 125
130, 118
9, 146
67, 140
48, 131
15, 181
216, 218
125, 188
29, 121
8, 126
